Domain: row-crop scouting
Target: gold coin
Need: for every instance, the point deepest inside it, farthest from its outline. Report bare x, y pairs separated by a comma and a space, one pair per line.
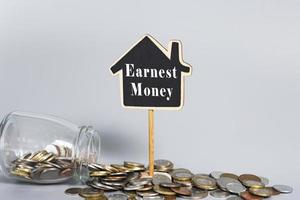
114, 178
182, 176
251, 177
163, 191
253, 184
102, 197
99, 173
24, 169
230, 175
20, 174
205, 183
262, 192
133, 164
39, 155
121, 168
34, 156
90, 193
136, 169
47, 157
110, 169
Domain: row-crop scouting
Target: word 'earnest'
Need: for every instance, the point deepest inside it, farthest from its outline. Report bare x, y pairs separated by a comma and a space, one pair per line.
131, 71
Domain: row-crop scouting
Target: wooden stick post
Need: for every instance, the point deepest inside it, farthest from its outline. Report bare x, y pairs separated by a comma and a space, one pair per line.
151, 141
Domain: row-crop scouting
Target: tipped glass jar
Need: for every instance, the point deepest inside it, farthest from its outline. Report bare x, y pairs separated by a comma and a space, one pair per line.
45, 149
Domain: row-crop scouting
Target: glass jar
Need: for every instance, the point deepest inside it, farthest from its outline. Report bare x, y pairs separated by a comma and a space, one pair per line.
45, 149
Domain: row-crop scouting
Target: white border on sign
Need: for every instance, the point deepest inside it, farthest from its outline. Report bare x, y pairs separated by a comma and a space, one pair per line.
167, 52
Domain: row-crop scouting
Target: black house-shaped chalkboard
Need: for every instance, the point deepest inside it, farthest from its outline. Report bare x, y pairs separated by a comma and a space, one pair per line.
151, 76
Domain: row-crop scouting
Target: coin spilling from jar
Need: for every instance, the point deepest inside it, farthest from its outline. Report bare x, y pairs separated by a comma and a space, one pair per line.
130, 180
52, 164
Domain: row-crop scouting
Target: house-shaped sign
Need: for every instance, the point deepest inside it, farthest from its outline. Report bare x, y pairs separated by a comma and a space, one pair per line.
151, 76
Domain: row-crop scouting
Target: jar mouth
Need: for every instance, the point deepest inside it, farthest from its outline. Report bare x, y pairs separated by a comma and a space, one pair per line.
3, 122
86, 151
2, 127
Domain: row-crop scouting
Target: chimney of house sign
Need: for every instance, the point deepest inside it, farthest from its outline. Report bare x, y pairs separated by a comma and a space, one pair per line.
175, 52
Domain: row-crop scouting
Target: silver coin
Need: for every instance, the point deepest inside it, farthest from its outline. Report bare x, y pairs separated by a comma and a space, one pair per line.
283, 188
179, 170
29, 162
92, 167
203, 175
118, 174
27, 155
161, 177
196, 194
219, 193
117, 197
49, 174
147, 194
133, 164
162, 163
137, 169
98, 185
133, 175
223, 181
264, 180
158, 197
216, 174
58, 166
35, 174
114, 183
170, 185
140, 181
99, 166
204, 182
132, 187
234, 198
235, 188
179, 175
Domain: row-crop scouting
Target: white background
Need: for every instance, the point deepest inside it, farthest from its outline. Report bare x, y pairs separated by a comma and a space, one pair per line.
242, 103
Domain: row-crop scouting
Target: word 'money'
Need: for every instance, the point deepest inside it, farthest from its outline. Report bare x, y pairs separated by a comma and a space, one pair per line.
137, 89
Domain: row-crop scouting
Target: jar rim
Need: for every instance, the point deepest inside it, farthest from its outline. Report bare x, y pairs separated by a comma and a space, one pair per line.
86, 150
48, 117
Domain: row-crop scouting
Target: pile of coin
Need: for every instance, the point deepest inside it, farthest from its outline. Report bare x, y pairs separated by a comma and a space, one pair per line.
42, 167
131, 181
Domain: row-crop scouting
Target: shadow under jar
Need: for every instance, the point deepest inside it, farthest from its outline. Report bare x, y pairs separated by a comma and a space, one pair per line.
45, 149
